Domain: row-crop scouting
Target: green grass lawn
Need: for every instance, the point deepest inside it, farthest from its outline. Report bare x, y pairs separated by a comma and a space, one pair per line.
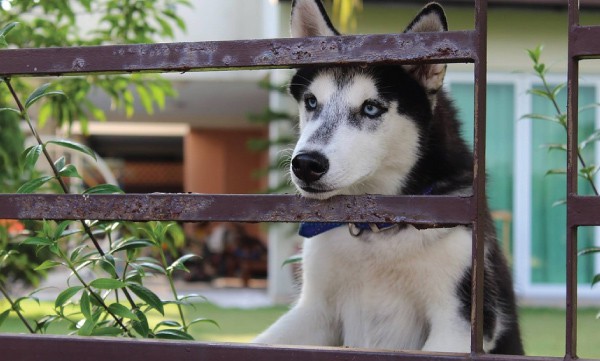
543, 329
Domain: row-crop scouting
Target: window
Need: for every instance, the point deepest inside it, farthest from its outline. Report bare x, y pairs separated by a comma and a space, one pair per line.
532, 232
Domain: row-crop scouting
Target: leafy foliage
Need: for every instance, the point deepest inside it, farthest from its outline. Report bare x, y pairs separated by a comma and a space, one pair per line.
60, 23
115, 301
586, 170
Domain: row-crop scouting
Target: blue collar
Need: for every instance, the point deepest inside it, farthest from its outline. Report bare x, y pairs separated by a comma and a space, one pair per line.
312, 229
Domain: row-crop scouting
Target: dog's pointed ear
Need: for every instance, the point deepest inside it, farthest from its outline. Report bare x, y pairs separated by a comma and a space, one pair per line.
431, 19
310, 19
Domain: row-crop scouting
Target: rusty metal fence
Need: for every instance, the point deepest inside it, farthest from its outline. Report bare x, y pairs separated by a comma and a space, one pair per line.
431, 211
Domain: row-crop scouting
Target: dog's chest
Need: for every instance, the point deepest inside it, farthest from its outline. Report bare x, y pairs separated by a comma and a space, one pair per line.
382, 288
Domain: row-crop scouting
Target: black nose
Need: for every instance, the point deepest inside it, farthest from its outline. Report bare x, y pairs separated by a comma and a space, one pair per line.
309, 167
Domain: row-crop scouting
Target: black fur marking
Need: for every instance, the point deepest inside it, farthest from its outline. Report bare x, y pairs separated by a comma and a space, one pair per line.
324, 133
446, 162
316, 114
393, 84
323, 14
498, 299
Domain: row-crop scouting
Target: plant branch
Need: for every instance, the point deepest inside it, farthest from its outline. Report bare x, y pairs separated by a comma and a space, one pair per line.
15, 308
57, 175
560, 113
173, 289
95, 295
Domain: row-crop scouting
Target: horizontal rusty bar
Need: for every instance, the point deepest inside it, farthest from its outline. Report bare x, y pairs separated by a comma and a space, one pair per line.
444, 47
583, 211
35, 348
419, 210
584, 42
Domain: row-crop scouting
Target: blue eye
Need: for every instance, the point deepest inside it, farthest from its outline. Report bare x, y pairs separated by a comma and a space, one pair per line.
310, 102
372, 109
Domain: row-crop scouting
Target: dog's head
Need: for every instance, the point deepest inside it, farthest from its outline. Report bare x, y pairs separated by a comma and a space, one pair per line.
360, 127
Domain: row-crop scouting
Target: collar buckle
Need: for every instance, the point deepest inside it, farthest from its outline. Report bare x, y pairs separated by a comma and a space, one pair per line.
377, 228
356, 229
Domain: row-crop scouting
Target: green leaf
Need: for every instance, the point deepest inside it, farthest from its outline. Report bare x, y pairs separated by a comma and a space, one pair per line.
75, 253
540, 68
145, 98
69, 232
204, 320
556, 171
172, 334
104, 189
147, 296
74, 145
595, 136
540, 117
167, 324
107, 284
34, 184
69, 171
158, 94
589, 171
535, 54
60, 229
32, 154
179, 263
47, 265
107, 331
540, 93
60, 163
10, 110
132, 244
85, 305
550, 147
590, 250
87, 327
559, 202
557, 89
154, 267
596, 279
66, 295
141, 326
4, 316
7, 28
38, 241
39, 93
193, 295
122, 311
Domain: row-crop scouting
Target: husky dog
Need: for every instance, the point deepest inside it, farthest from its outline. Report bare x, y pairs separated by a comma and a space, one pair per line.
392, 130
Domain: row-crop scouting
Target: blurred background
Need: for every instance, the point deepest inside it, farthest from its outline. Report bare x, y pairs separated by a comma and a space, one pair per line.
230, 132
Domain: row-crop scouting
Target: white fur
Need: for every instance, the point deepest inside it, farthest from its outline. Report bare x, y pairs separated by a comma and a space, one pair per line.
393, 291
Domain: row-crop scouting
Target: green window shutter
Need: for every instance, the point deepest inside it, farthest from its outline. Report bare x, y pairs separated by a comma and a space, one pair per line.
500, 145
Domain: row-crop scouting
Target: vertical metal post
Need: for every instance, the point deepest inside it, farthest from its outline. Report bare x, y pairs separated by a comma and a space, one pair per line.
572, 170
479, 204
